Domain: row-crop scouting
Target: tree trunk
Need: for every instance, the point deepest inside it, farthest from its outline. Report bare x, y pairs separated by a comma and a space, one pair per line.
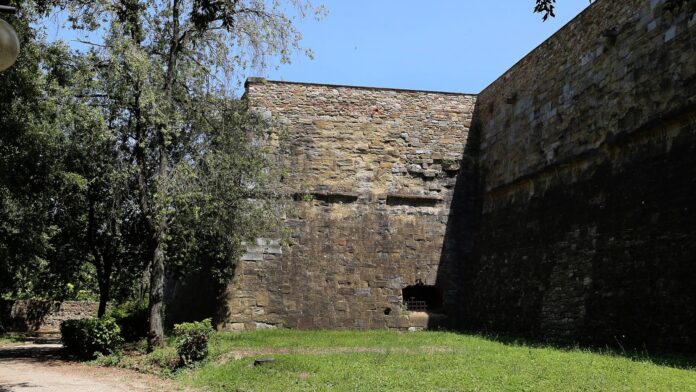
104, 280
155, 336
104, 288
102, 265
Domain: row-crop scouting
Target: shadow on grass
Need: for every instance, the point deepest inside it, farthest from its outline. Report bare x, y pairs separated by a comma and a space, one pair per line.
678, 360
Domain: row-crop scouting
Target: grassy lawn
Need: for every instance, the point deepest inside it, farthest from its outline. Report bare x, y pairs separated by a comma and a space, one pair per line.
423, 361
8, 340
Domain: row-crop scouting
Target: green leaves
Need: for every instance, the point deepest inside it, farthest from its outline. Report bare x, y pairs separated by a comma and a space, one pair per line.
545, 7
136, 147
192, 341
88, 338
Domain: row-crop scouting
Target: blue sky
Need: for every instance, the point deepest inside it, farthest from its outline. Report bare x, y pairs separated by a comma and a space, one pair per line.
442, 45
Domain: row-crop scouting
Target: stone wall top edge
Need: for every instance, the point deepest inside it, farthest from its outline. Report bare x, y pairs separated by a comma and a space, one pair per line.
45, 301
256, 80
540, 47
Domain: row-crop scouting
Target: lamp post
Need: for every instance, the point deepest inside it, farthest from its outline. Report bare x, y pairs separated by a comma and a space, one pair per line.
9, 43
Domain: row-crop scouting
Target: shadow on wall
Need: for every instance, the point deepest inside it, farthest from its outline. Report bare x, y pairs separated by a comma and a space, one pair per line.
585, 229
192, 299
25, 316
605, 261
459, 245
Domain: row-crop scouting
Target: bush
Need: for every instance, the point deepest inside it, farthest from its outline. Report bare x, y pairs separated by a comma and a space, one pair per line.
192, 341
88, 338
132, 318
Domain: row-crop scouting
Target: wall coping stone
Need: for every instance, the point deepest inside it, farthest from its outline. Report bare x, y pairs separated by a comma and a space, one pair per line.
258, 80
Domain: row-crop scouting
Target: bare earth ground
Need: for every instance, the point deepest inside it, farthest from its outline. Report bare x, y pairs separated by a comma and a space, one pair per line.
38, 368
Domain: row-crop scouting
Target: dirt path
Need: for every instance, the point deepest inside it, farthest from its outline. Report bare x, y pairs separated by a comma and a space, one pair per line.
38, 368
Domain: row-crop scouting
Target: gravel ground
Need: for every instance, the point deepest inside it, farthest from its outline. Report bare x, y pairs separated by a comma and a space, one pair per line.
39, 368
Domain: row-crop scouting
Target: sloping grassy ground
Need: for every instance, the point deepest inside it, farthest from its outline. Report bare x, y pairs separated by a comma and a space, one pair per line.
423, 361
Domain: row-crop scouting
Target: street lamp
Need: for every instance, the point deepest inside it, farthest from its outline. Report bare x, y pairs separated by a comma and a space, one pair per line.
9, 43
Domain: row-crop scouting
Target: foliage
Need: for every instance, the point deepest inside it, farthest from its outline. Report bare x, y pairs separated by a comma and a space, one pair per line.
132, 159
33, 173
192, 341
8, 340
131, 317
64, 214
75, 294
546, 7
163, 361
192, 177
87, 338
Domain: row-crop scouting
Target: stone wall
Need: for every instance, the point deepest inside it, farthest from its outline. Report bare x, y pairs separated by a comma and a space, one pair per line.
42, 316
372, 172
588, 225
566, 213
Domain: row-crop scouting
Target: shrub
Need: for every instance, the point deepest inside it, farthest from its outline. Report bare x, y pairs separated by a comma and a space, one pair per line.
132, 318
192, 341
88, 338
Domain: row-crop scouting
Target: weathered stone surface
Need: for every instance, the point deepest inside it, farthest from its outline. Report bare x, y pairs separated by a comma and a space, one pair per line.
42, 316
587, 165
561, 208
365, 225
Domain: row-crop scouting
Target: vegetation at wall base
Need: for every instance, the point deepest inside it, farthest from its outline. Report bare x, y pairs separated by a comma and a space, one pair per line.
8, 340
89, 338
132, 318
192, 341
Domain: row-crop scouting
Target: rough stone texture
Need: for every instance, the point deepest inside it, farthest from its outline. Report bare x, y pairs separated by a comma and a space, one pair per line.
566, 213
587, 166
42, 316
373, 172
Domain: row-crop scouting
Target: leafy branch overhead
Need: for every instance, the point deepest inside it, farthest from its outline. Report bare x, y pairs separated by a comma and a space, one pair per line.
546, 7
147, 161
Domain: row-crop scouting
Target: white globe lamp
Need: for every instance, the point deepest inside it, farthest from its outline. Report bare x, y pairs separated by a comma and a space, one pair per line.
9, 43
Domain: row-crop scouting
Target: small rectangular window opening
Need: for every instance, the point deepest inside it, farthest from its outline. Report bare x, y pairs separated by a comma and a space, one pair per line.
422, 298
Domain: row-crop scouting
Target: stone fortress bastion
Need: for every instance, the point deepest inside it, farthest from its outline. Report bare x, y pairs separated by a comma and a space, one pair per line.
559, 203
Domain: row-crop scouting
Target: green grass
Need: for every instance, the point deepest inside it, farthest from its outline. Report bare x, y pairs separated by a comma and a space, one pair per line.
8, 340
423, 361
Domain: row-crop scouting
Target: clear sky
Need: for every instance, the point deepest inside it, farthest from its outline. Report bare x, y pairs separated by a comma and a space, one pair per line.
443, 45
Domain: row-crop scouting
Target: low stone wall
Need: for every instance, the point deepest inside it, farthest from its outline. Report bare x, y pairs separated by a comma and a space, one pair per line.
42, 316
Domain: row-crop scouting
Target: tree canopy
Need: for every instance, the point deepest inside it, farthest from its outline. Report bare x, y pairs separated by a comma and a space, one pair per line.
133, 159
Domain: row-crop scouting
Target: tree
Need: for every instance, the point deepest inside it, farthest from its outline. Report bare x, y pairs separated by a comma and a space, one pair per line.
32, 171
64, 187
99, 215
162, 67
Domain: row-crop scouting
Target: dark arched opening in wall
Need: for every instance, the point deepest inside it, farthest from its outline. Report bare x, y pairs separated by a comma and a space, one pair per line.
422, 298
